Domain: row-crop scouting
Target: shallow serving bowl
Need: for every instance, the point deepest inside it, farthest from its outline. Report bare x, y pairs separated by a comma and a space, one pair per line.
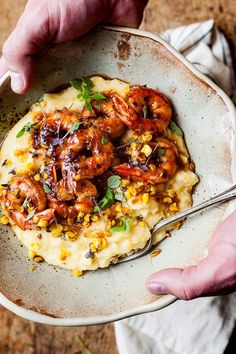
51, 295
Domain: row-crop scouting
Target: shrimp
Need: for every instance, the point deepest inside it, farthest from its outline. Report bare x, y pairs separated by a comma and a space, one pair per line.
76, 159
158, 110
85, 195
104, 117
166, 165
25, 188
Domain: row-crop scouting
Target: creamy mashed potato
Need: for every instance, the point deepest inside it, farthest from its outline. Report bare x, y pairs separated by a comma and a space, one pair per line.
52, 244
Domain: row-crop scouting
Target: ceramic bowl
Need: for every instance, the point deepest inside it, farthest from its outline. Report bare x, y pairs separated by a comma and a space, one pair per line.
51, 295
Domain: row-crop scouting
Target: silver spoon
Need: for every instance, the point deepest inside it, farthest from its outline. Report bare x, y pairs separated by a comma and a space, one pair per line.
222, 197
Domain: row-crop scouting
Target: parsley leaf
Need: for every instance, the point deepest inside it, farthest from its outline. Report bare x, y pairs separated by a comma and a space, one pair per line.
145, 111
113, 181
26, 128
86, 93
175, 129
104, 140
75, 126
30, 215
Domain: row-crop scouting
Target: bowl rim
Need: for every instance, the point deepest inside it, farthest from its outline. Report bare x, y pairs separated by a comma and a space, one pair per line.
163, 300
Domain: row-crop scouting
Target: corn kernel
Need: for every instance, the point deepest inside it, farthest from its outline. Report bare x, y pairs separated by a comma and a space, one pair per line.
8, 162
113, 222
18, 152
153, 190
147, 137
87, 217
44, 146
173, 207
38, 259
31, 208
31, 254
177, 225
132, 191
21, 172
145, 197
118, 208
65, 228
147, 150
141, 223
80, 215
45, 175
4, 220
56, 230
36, 219
167, 200
127, 90
94, 217
32, 268
77, 177
77, 273
125, 182
171, 192
125, 210
107, 233
127, 195
108, 226
98, 244
42, 223
69, 234
37, 177
30, 165
155, 253
85, 224
64, 254
152, 167
135, 137
22, 158
133, 146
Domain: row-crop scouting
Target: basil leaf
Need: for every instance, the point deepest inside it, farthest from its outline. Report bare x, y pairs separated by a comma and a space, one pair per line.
120, 196
88, 106
113, 181
125, 226
104, 140
97, 209
30, 215
145, 111
76, 83
118, 228
46, 188
75, 126
175, 129
26, 128
107, 201
98, 97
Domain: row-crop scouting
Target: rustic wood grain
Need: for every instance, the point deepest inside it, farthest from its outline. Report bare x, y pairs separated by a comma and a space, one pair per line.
18, 336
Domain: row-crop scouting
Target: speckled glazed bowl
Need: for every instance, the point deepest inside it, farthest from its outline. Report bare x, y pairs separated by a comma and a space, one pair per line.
51, 295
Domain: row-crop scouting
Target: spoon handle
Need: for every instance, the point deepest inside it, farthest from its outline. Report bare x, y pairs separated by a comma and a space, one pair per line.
222, 197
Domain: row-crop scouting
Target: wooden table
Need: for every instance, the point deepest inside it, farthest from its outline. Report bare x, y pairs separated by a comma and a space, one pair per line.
24, 337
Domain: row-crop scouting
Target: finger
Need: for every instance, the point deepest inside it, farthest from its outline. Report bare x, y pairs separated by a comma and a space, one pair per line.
3, 67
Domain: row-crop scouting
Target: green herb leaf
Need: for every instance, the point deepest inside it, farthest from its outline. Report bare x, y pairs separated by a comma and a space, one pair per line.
86, 93
104, 140
125, 226
175, 129
161, 152
46, 188
120, 196
26, 203
30, 215
26, 128
145, 111
113, 181
97, 209
107, 201
75, 126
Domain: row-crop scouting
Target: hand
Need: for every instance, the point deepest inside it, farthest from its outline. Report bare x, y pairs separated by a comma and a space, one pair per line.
56, 21
214, 275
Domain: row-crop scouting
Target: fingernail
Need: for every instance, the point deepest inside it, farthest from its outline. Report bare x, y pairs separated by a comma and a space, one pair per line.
157, 288
17, 84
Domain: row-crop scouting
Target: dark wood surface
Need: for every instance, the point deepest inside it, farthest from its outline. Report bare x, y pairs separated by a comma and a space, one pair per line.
24, 337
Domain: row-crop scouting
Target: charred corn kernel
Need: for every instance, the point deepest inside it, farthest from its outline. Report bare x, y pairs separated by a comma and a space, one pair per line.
21, 172
77, 273
45, 146
32, 268
94, 217
37, 177
118, 208
133, 145
127, 195
125, 210
173, 207
152, 167
167, 200
42, 223
38, 259
11, 208
147, 150
69, 234
108, 226
141, 223
42, 167
18, 152
31, 254
65, 228
113, 222
153, 190
85, 224
98, 245
8, 162
64, 254
145, 197
56, 230
155, 253
70, 221
146, 137
45, 175
29, 166
36, 219
77, 177
4, 220
125, 182
43, 103
135, 137
80, 215
132, 191
171, 192
107, 233
87, 217
22, 158
139, 184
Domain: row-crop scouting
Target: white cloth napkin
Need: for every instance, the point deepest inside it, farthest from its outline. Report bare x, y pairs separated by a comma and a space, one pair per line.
200, 326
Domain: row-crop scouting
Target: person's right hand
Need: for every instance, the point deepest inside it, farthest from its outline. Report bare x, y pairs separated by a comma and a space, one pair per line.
55, 21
